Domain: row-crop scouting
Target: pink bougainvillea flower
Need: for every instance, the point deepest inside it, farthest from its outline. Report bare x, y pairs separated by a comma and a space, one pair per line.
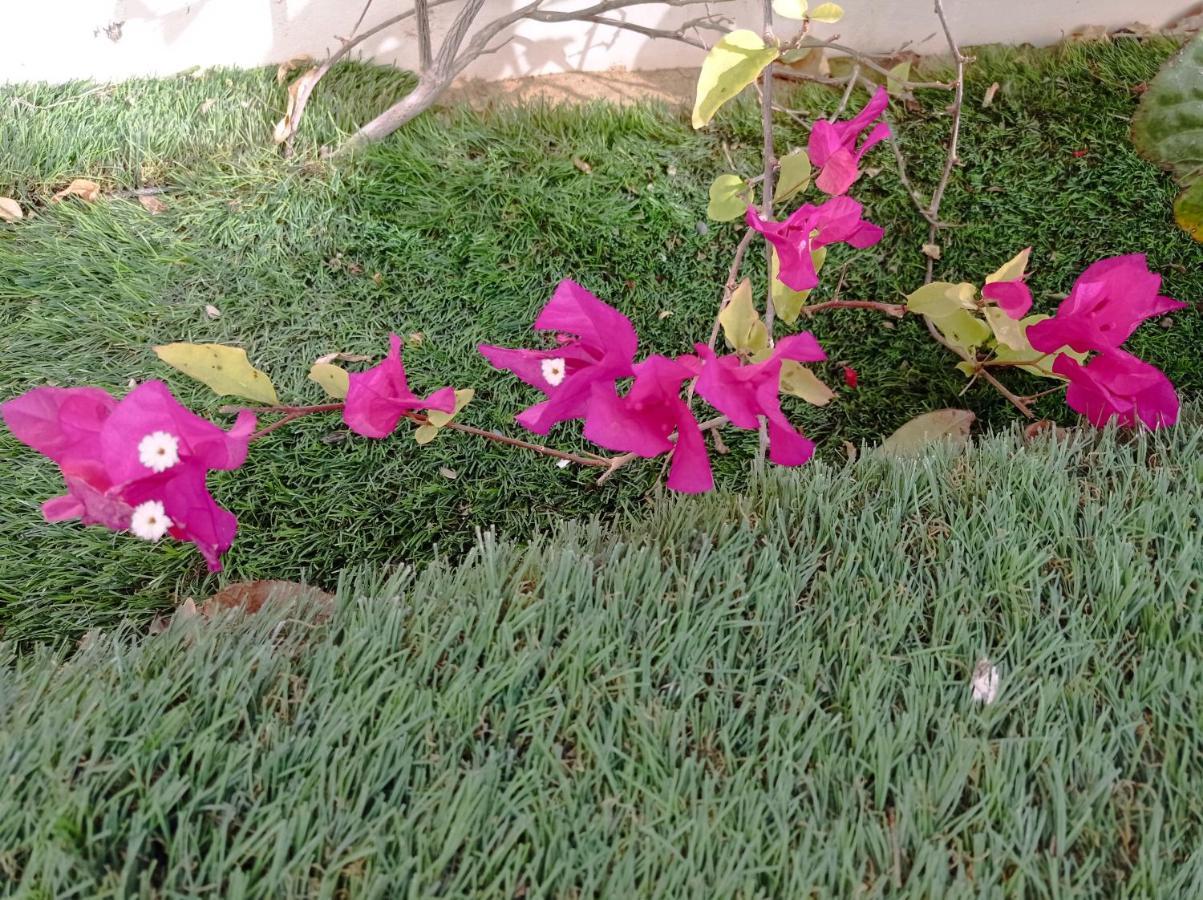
809, 227
832, 146
597, 346
137, 465
1012, 297
1116, 385
378, 397
744, 393
1107, 303
643, 421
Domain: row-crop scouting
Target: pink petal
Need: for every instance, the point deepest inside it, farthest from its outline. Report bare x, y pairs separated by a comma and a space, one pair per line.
379, 397
60, 509
574, 310
195, 515
690, 471
825, 139
1012, 297
801, 347
1117, 385
839, 173
61, 423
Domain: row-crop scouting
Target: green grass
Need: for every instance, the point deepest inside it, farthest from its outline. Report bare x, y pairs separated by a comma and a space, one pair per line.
470, 219
744, 695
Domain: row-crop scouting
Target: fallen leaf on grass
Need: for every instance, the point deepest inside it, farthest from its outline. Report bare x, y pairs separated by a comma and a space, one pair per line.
85, 190
582, 165
208, 105
152, 204
990, 92
912, 438
298, 97
289, 66
450, 474
345, 357
212, 311
10, 210
252, 596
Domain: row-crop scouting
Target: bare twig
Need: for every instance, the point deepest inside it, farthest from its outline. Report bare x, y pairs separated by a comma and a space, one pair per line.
422, 14
617, 462
933, 209
852, 80
985, 373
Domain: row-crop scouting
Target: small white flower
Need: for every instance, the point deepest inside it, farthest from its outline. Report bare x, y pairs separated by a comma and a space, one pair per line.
159, 451
553, 371
985, 682
149, 520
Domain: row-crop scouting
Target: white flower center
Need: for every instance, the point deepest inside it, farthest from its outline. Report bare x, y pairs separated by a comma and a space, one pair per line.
159, 451
149, 520
553, 371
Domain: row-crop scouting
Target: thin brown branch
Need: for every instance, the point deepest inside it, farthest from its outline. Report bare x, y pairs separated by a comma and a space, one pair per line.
617, 462
852, 80
422, 15
933, 209
869, 63
1015, 400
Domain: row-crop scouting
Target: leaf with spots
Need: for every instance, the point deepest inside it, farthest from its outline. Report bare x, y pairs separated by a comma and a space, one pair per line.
224, 370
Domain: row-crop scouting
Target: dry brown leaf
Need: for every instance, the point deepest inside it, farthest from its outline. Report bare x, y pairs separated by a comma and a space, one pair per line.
90, 637
85, 190
289, 66
932, 250
212, 311
152, 204
298, 97
447, 473
582, 165
990, 92
344, 357
252, 596
208, 105
10, 209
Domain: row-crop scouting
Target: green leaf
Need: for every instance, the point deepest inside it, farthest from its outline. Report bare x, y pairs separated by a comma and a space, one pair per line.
224, 370
742, 326
731, 65
793, 176
827, 12
915, 436
730, 196
790, 9
1166, 130
334, 380
799, 381
787, 302
897, 76
941, 298
963, 330
1012, 269
437, 419
1188, 210
1013, 346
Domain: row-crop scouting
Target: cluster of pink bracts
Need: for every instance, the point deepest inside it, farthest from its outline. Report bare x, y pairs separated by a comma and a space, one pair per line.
140, 464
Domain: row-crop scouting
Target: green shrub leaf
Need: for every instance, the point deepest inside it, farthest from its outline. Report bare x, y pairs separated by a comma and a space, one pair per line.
730, 196
731, 65
224, 370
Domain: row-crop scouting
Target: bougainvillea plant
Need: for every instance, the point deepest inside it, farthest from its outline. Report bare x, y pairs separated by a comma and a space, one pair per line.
140, 464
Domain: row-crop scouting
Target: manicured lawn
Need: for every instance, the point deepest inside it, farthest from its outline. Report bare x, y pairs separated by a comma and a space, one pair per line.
746, 695
470, 219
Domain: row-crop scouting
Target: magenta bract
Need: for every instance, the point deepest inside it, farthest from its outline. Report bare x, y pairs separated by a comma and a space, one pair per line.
137, 465
1013, 297
1117, 386
1107, 303
378, 397
743, 393
837, 221
832, 146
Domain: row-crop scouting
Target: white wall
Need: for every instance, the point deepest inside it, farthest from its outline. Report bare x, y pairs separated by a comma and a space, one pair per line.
57, 40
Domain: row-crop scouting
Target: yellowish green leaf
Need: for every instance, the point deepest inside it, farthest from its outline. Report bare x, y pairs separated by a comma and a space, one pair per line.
827, 12
729, 198
967, 369
731, 65
793, 176
334, 379
1017, 349
799, 381
787, 302
941, 298
424, 434
224, 370
790, 9
1006, 330
437, 419
963, 330
951, 425
1012, 269
741, 324
897, 77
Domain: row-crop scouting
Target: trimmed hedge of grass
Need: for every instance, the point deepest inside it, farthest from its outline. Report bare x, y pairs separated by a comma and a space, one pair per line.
732, 696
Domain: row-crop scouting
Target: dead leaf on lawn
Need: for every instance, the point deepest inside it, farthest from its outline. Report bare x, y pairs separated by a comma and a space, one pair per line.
932, 250
152, 204
344, 357
10, 209
298, 97
582, 165
921, 432
289, 66
85, 190
990, 92
449, 474
212, 311
252, 596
